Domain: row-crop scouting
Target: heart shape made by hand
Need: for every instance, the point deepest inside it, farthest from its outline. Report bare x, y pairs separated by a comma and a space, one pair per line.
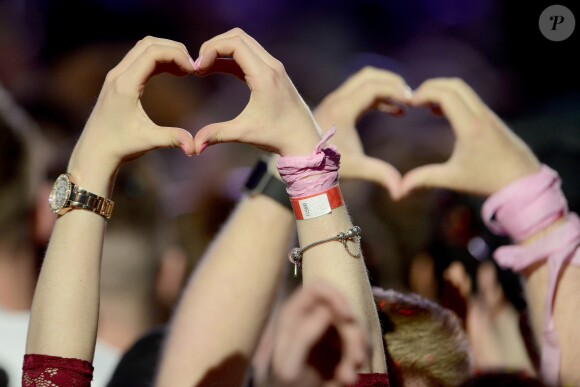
486, 155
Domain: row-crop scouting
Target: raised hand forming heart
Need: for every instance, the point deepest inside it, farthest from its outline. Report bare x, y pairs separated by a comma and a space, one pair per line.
486, 155
276, 118
366, 90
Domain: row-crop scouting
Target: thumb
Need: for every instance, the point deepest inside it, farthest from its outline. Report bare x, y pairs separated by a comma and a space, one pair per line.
433, 175
169, 137
373, 170
214, 134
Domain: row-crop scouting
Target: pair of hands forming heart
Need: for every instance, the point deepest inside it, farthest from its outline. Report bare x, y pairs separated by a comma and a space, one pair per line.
486, 155
118, 129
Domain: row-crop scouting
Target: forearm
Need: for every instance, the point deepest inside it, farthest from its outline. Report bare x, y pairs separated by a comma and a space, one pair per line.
533, 211
64, 314
65, 309
230, 294
566, 308
331, 263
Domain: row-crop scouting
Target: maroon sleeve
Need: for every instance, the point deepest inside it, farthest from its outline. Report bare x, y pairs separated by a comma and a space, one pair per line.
44, 370
372, 380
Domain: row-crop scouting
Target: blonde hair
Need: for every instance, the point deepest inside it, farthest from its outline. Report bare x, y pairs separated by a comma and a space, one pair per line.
424, 340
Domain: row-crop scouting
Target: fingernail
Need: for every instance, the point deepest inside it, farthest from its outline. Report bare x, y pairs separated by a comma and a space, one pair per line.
408, 92
202, 147
197, 62
184, 149
392, 109
192, 63
436, 109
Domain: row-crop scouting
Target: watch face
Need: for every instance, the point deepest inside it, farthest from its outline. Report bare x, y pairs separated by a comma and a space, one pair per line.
60, 193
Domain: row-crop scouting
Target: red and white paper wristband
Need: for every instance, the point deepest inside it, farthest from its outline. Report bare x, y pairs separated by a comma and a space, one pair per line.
316, 205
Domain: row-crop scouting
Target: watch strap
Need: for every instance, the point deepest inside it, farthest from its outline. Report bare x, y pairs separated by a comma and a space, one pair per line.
267, 184
83, 199
276, 190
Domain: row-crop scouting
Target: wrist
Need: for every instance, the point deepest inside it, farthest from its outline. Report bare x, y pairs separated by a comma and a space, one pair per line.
314, 173
301, 142
527, 206
520, 169
93, 176
92, 165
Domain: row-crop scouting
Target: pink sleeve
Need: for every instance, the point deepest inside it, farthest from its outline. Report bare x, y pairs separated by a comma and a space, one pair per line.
54, 371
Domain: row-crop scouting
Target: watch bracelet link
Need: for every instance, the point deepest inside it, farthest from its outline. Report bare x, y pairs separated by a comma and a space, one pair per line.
81, 198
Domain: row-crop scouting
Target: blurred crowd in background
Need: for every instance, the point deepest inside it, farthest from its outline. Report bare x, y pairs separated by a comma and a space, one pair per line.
54, 56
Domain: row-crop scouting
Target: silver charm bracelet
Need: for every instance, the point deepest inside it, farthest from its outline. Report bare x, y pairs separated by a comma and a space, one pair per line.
353, 234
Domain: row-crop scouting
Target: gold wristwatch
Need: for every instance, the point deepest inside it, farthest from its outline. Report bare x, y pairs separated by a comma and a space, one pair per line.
66, 196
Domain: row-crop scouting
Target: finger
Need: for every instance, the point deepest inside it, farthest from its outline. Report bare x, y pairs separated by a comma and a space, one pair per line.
295, 344
310, 296
141, 45
372, 75
373, 170
170, 137
220, 132
388, 107
153, 59
226, 66
462, 89
347, 108
436, 109
459, 278
453, 106
250, 41
322, 292
369, 93
355, 349
234, 47
433, 175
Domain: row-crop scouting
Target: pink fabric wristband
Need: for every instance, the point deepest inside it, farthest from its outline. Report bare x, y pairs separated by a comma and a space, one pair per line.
526, 206
520, 210
309, 175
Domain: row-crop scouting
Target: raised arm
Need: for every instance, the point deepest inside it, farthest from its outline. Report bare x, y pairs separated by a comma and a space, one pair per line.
276, 119
226, 303
526, 204
66, 301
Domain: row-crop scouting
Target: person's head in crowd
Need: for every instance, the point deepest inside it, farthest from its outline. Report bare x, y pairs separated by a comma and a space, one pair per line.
18, 170
21, 158
426, 343
16, 204
142, 269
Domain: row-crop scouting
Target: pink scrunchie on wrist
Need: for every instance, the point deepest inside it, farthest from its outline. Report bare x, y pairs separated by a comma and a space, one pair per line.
520, 210
526, 206
309, 175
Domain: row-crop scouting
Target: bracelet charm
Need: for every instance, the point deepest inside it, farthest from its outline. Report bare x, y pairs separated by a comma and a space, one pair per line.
353, 234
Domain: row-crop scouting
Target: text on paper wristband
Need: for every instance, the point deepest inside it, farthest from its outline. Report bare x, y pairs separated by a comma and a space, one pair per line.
320, 204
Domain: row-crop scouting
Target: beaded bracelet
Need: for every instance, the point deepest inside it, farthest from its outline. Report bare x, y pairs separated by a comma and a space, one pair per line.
353, 234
